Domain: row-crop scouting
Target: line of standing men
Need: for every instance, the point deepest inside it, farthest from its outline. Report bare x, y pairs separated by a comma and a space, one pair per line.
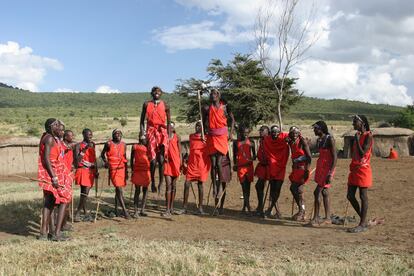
158, 143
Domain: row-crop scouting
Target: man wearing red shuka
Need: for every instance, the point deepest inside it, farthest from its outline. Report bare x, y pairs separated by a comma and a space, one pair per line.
325, 170
301, 160
86, 169
156, 113
243, 156
261, 171
141, 175
215, 116
115, 151
54, 178
277, 153
360, 173
198, 167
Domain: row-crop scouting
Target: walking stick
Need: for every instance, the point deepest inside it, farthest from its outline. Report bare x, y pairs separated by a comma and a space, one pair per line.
201, 114
192, 189
71, 206
293, 204
100, 195
219, 201
346, 212
267, 191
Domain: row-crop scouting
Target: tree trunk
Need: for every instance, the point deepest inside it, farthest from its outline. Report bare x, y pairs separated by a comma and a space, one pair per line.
279, 113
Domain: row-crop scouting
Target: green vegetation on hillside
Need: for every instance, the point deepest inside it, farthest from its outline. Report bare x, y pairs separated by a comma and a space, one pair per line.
23, 113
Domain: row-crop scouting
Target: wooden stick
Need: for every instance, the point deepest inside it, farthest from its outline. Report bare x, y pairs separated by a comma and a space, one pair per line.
219, 201
100, 196
346, 212
71, 207
265, 197
293, 204
201, 114
192, 189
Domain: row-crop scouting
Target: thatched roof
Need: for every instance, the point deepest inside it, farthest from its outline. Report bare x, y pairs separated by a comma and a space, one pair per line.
385, 131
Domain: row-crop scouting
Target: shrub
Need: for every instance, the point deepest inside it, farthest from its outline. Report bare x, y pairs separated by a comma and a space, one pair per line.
405, 118
123, 121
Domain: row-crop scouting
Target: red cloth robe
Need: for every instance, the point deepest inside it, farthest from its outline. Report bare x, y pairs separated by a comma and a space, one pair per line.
298, 168
117, 163
156, 128
141, 174
262, 167
85, 175
198, 161
173, 163
62, 194
360, 172
217, 138
67, 156
277, 152
244, 161
324, 164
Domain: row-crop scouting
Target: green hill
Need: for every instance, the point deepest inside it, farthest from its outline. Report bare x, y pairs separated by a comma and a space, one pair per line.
23, 112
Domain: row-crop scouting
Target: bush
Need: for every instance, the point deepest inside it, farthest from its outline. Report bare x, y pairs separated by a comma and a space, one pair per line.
123, 122
32, 131
405, 118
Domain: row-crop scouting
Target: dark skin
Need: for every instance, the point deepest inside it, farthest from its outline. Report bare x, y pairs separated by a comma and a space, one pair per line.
200, 185
84, 193
260, 184
156, 97
297, 188
219, 188
119, 197
330, 143
49, 199
68, 141
216, 158
244, 137
143, 142
275, 185
171, 182
362, 209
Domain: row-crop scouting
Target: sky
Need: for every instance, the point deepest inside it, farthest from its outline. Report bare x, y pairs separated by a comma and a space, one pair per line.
364, 49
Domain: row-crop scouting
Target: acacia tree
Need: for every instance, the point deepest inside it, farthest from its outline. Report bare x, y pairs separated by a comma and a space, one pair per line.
243, 85
282, 38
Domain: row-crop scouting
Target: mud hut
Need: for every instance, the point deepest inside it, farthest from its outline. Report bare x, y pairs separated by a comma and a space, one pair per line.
401, 139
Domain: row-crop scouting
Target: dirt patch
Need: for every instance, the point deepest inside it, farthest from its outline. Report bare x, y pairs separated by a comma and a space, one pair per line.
390, 198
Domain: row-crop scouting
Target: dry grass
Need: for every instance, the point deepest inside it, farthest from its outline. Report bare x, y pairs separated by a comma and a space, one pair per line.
110, 253
108, 250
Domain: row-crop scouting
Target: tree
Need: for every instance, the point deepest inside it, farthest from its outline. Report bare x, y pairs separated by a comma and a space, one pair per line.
243, 85
405, 118
282, 40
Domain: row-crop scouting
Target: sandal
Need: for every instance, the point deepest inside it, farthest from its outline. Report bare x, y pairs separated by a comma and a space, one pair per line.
358, 229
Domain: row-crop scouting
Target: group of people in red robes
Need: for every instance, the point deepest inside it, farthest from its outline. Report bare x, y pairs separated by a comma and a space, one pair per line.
61, 161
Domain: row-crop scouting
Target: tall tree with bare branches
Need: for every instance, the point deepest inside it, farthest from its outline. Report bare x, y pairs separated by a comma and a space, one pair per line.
283, 35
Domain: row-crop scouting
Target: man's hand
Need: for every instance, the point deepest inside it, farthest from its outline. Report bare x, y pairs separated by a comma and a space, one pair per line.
55, 182
328, 179
96, 175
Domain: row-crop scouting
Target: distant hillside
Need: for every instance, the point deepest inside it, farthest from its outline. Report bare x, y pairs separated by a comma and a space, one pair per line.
307, 107
23, 112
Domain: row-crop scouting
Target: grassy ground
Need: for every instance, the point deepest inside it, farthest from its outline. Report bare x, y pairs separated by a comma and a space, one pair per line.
226, 245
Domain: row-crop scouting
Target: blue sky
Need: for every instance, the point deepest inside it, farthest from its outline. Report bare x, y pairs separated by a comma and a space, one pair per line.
112, 46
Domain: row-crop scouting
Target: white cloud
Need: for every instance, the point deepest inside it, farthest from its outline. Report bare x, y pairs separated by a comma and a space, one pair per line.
70, 90
20, 67
364, 51
196, 36
325, 79
106, 89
